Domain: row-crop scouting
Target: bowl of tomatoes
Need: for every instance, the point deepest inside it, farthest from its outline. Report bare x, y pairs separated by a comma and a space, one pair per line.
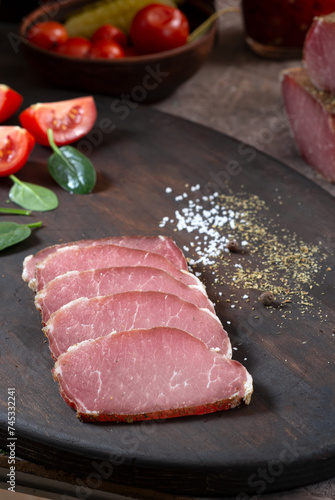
144, 60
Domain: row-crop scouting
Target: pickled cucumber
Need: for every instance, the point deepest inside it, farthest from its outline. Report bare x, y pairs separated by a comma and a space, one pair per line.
117, 12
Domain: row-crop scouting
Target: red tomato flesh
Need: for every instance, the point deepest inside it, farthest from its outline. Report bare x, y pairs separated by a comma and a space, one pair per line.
70, 120
47, 34
106, 49
10, 101
16, 144
75, 46
110, 32
157, 28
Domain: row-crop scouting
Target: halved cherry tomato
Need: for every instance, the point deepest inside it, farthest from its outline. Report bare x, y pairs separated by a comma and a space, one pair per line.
10, 101
75, 46
157, 28
70, 120
47, 34
106, 49
110, 32
16, 144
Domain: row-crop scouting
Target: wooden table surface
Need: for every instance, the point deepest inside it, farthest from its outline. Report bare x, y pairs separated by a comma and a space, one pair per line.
237, 93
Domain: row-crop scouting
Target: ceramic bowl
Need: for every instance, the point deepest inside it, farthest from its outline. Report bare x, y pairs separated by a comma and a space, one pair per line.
140, 78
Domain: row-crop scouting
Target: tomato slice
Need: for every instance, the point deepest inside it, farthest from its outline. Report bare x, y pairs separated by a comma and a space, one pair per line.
69, 120
10, 101
16, 144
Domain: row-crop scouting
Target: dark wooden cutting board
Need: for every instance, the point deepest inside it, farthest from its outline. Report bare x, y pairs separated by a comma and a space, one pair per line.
286, 437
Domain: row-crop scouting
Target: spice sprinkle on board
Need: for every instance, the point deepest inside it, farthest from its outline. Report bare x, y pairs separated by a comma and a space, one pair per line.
270, 257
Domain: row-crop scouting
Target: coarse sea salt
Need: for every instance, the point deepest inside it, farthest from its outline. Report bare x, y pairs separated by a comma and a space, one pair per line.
205, 217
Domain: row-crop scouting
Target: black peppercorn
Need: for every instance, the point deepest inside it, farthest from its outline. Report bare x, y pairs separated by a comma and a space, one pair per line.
267, 298
233, 246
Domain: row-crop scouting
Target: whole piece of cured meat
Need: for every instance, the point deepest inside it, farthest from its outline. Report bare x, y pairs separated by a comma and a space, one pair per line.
74, 258
319, 53
91, 283
149, 373
311, 114
163, 245
85, 319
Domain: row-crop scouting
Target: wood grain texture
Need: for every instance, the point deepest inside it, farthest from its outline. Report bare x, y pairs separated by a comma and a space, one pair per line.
285, 438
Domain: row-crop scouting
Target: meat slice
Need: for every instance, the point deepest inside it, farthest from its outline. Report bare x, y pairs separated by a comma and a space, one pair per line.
149, 373
84, 319
311, 114
162, 245
75, 258
92, 283
319, 54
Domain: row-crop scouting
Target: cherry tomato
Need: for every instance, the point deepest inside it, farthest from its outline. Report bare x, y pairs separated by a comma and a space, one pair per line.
110, 32
70, 120
130, 52
75, 46
157, 28
106, 49
10, 101
16, 144
47, 34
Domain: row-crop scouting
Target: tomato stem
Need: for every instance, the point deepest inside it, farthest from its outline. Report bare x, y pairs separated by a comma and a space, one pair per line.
14, 211
200, 30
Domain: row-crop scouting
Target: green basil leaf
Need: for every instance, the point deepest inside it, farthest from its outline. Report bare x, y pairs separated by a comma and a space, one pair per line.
32, 196
12, 233
72, 170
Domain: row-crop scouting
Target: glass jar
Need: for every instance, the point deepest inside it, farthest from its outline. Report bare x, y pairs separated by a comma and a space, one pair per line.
277, 28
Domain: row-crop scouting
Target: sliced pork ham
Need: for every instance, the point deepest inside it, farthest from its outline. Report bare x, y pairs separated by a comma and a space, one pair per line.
74, 258
162, 245
91, 283
149, 373
84, 319
311, 114
319, 54
134, 334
